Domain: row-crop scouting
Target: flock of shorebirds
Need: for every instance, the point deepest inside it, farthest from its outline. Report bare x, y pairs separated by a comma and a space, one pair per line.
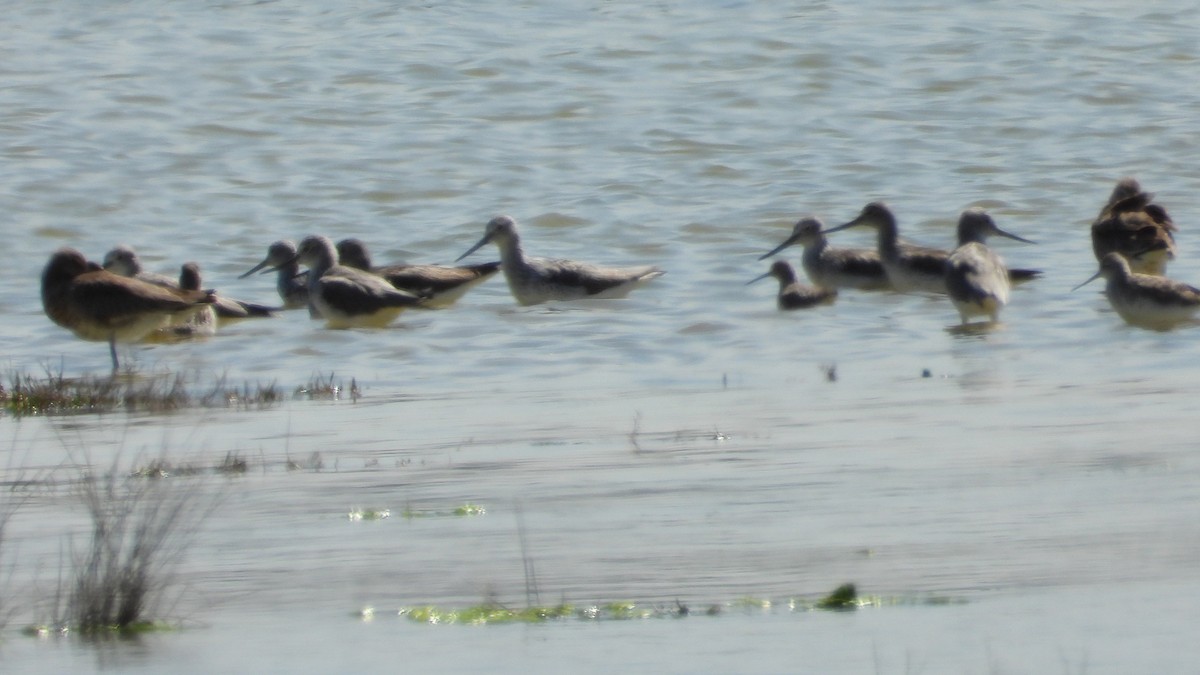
1133, 240
118, 301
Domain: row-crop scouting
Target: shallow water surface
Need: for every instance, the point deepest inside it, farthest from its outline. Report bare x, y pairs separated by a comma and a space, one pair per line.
689, 444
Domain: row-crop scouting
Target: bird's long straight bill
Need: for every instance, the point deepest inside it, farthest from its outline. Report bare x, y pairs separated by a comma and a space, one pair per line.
843, 226
787, 242
1014, 237
1090, 280
478, 245
256, 268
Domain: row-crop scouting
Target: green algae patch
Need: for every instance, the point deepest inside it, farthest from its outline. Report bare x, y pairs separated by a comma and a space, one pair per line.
369, 514
486, 614
100, 631
465, 510
843, 598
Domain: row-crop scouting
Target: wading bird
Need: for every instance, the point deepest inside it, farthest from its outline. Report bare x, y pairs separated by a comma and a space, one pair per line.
536, 280
1134, 226
830, 267
975, 277
96, 304
792, 293
440, 286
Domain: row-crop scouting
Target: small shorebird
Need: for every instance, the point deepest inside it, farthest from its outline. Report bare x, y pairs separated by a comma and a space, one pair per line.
441, 286
96, 304
536, 280
792, 293
291, 283
1145, 300
123, 260
346, 297
830, 267
976, 278
1132, 225
911, 268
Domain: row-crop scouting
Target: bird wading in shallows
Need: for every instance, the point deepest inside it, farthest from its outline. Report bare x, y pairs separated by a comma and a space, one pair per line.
96, 304
1146, 300
793, 294
346, 297
976, 278
831, 267
536, 280
441, 286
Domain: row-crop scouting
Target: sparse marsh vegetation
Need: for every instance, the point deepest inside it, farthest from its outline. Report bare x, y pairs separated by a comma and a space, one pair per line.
54, 393
324, 388
122, 578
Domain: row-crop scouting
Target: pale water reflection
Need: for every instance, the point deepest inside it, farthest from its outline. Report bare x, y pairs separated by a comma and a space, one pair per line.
686, 443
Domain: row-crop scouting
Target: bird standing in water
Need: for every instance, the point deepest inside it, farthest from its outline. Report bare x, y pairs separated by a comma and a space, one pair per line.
830, 267
536, 280
291, 283
346, 297
1146, 300
96, 304
440, 285
975, 276
792, 293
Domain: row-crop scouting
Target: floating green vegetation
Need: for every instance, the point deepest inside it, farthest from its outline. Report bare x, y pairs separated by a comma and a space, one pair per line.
844, 597
101, 631
467, 509
470, 510
487, 613
369, 514
56, 394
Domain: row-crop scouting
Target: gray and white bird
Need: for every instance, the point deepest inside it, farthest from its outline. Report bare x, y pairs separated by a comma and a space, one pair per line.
346, 297
793, 294
290, 283
441, 286
123, 260
911, 268
975, 276
537, 280
1146, 300
831, 267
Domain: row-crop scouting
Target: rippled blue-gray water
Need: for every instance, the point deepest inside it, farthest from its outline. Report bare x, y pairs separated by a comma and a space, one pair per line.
685, 444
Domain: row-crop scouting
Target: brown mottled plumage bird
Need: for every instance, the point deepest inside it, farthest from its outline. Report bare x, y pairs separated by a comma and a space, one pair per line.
1134, 226
96, 304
